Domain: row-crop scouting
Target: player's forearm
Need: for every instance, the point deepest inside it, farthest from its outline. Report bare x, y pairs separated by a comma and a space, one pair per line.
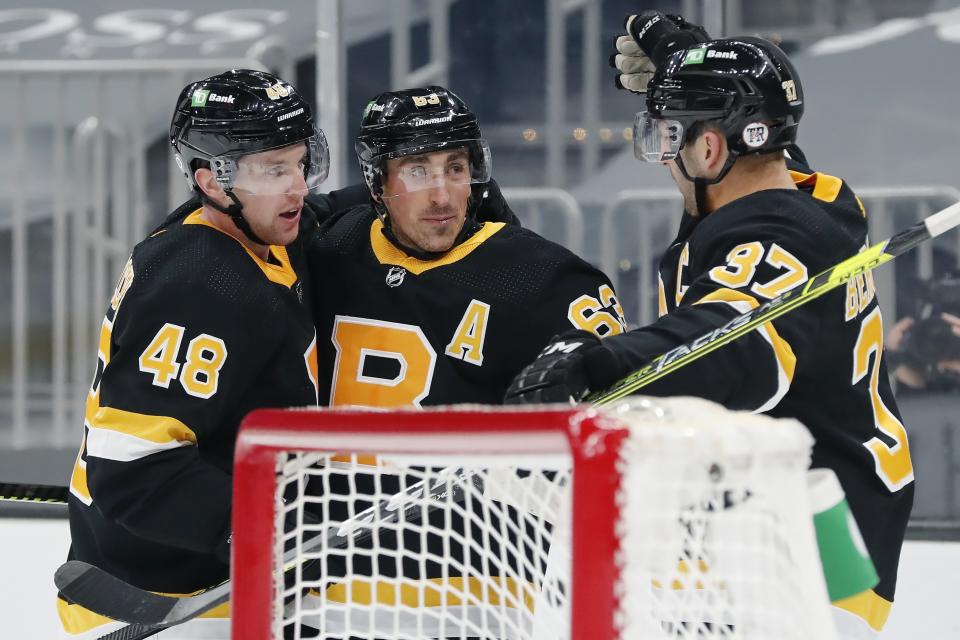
743, 375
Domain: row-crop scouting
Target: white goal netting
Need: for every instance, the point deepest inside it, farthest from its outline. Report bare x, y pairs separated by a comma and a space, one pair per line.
661, 519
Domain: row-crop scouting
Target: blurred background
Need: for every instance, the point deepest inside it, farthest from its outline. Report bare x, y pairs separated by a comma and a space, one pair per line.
87, 90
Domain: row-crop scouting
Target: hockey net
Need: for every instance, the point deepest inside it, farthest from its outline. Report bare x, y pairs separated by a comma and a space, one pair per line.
666, 518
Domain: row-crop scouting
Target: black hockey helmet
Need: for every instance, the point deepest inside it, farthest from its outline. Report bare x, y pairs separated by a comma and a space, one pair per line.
413, 121
747, 85
219, 120
240, 112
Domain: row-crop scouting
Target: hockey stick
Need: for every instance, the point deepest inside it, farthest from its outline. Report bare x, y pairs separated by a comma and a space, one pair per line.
930, 227
150, 613
43, 493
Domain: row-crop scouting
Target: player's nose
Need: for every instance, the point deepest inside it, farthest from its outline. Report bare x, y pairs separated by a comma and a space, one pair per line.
439, 194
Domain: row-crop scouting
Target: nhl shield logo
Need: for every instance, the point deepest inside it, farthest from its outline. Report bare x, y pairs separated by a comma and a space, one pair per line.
395, 276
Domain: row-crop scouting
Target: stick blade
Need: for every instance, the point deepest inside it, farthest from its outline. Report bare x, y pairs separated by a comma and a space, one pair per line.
100, 592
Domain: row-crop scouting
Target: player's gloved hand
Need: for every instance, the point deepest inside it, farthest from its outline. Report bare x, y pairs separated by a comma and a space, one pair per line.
635, 68
650, 38
571, 366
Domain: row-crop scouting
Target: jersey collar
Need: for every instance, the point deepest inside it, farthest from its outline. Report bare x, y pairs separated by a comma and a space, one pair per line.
388, 253
282, 274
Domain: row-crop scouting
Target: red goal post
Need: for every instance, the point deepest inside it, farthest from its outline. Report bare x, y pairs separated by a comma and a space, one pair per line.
668, 517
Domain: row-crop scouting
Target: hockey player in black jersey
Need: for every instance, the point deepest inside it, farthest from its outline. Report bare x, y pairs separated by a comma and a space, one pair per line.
210, 320
421, 299
430, 303
720, 115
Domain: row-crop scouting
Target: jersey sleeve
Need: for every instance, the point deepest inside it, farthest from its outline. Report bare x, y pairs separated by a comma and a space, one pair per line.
175, 366
578, 296
328, 205
737, 269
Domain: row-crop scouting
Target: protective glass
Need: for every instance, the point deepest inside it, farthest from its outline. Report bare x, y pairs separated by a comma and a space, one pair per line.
273, 174
656, 139
457, 163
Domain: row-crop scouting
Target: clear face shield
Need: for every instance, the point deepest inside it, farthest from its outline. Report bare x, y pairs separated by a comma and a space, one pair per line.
459, 163
656, 139
292, 170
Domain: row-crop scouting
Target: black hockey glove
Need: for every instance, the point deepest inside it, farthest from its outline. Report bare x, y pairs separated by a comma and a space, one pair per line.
571, 366
650, 38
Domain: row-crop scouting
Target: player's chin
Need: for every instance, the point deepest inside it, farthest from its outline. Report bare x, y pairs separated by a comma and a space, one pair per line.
284, 236
435, 243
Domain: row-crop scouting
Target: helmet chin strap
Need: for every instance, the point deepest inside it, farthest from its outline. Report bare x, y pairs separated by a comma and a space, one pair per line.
700, 183
235, 211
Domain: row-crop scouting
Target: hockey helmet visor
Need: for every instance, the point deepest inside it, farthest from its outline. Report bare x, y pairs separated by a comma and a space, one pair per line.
295, 169
427, 163
656, 139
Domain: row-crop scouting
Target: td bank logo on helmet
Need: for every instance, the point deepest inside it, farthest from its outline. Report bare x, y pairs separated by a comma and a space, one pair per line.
697, 56
201, 97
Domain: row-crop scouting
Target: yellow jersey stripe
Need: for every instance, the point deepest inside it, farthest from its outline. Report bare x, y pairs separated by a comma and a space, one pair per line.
76, 619
78, 479
120, 435
782, 351
825, 187
435, 592
869, 606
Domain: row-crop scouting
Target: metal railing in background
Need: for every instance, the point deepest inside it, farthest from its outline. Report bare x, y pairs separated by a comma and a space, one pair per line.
88, 170
539, 208
435, 71
891, 209
331, 76
331, 49
70, 236
559, 135
635, 227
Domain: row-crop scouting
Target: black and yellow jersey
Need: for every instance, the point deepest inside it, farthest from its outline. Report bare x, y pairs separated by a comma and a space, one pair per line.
395, 330
199, 332
821, 363
400, 330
